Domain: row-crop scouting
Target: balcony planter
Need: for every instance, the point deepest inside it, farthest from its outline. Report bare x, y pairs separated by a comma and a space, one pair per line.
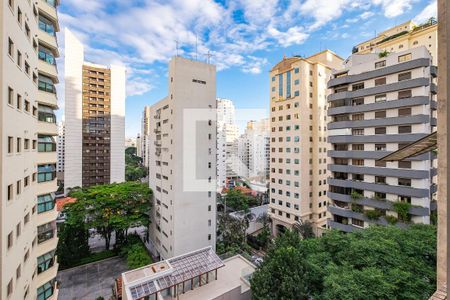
372, 214
391, 220
402, 210
356, 195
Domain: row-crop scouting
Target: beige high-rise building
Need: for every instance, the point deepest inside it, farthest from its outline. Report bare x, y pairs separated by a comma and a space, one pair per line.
298, 140
182, 158
94, 119
403, 37
28, 156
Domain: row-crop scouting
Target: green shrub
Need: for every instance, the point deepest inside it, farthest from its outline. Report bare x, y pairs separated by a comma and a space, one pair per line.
373, 214
391, 220
356, 195
137, 256
357, 208
402, 209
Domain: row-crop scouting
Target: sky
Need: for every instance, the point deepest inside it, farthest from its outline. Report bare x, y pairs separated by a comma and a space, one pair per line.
245, 38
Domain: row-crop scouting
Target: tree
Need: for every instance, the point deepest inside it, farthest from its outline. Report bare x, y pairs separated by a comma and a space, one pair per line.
112, 208
236, 200
304, 229
134, 170
232, 231
73, 242
376, 263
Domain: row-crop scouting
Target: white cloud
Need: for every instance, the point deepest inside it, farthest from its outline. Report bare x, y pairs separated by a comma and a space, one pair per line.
323, 11
394, 8
367, 14
428, 12
293, 36
254, 65
137, 86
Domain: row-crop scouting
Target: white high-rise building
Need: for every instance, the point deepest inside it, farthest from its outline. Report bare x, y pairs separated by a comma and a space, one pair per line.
60, 147
228, 162
254, 151
28, 75
145, 132
94, 119
182, 160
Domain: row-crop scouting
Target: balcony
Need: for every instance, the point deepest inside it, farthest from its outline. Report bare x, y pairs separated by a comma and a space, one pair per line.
47, 187
46, 217
48, 40
47, 128
47, 69
48, 11
48, 274
46, 157
47, 98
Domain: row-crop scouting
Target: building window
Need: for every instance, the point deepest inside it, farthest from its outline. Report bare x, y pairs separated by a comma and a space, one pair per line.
46, 84
357, 117
45, 291
10, 287
405, 57
357, 222
380, 179
358, 131
380, 98
380, 64
45, 203
404, 112
358, 147
45, 232
404, 181
45, 261
280, 85
358, 86
19, 145
358, 162
46, 114
404, 76
46, 25
404, 129
46, 55
296, 70
380, 130
46, 172
10, 96
10, 47
380, 163
380, 81
380, 114
380, 147
19, 59
404, 94
19, 16
358, 101
10, 144
404, 164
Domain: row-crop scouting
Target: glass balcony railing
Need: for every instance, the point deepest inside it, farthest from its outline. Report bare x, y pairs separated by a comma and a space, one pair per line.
46, 173
45, 203
47, 57
46, 25
46, 117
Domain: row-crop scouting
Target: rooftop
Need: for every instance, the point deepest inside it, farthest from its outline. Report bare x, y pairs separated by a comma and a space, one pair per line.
159, 276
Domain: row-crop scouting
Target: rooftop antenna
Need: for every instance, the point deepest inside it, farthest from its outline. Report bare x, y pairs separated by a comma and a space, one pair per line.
208, 57
196, 45
176, 42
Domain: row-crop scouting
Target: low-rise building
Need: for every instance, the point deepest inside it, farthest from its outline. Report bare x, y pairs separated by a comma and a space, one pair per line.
200, 274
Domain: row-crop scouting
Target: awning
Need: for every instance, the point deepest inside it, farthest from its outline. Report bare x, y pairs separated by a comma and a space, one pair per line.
424, 145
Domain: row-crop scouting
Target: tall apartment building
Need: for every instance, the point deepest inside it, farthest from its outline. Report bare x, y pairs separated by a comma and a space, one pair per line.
228, 162
28, 76
60, 147
403, 37
379, 105
298, 155
94, 119
182, 156
145, 133
254, 151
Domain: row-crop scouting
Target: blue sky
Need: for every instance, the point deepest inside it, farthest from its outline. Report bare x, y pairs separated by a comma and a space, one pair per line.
245, 37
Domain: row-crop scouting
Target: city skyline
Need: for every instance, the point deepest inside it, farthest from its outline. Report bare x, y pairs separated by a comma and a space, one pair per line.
255, 40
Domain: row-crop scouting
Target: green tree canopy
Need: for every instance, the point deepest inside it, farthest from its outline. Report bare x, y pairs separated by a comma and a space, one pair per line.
112, 207
236, 200
376, 263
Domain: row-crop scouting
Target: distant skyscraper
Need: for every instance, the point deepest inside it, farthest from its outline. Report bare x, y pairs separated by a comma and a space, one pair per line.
182, 160
95, 119
145, 133
298, 155
379, 105
254, 150
228, 162
60, 147
28, 149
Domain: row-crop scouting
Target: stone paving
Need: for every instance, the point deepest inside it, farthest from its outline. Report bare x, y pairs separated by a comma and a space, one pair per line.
90, 281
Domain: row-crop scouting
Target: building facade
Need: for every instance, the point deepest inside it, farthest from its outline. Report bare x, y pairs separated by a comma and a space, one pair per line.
254, 151
60, 147
403, 37
28, 75
298, 140
145, 133
94, 119
182, 161
378, 105
228, 163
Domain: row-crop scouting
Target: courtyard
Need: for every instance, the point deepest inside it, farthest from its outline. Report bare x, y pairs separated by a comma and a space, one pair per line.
90, 281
